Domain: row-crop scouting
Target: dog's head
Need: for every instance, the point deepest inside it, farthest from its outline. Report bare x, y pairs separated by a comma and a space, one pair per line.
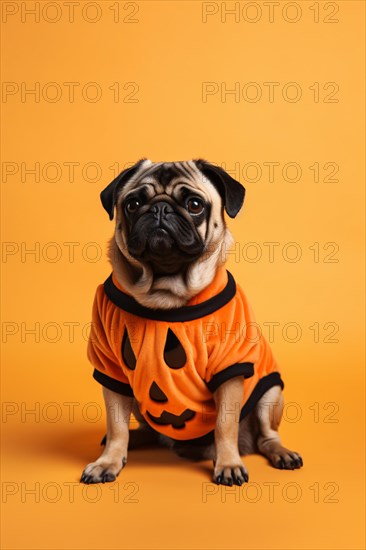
170, 214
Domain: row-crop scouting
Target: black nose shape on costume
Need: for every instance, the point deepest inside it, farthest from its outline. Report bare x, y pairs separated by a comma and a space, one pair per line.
161, 209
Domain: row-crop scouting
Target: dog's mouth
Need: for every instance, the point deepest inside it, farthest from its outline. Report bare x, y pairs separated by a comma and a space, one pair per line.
159, 242
161, 253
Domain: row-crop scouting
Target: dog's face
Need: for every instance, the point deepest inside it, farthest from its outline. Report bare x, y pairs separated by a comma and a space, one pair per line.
168, 215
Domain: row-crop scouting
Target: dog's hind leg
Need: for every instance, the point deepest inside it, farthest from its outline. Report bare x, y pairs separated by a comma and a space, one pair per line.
268, 412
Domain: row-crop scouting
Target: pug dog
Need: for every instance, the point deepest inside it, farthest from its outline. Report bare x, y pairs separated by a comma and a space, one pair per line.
174, 340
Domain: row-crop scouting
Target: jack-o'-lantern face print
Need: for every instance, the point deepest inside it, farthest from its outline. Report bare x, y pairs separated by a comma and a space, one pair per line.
174, 357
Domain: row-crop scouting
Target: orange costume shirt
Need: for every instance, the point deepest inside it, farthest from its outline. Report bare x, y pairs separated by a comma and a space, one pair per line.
172, 361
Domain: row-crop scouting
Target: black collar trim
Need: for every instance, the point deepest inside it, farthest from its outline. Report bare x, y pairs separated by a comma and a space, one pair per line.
185, 313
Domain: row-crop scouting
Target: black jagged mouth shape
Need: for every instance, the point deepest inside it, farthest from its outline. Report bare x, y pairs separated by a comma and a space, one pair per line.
169, 419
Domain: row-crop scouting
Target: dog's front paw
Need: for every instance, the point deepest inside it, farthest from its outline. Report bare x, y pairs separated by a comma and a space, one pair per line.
102, 471
230, 473
284, 459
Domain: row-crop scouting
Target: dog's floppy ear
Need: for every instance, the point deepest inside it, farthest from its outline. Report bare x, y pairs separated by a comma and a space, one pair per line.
231, 191
109, 195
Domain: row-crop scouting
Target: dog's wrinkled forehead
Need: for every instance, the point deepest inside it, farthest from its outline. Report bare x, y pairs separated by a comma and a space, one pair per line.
213, 182
162, 177
165, 172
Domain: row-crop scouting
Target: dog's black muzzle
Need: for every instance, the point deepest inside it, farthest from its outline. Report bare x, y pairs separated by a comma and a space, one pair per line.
165, 238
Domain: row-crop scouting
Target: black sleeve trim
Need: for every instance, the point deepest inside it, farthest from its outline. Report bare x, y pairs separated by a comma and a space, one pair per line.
112, 384
263, 385
239, 369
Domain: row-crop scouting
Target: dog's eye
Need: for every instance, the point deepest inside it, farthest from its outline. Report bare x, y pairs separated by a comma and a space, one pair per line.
195, 206
132, 205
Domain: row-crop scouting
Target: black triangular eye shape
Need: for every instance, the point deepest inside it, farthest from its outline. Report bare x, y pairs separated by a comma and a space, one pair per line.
127, 352
174, 354
157, 394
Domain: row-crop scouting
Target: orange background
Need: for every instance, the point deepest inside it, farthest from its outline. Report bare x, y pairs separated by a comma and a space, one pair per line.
169, 52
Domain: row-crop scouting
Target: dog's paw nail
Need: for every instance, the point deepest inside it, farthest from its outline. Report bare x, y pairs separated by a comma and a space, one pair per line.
107, 477
218, 479
245, 475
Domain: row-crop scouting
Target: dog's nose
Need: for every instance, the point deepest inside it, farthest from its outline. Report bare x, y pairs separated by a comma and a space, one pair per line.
161, 209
